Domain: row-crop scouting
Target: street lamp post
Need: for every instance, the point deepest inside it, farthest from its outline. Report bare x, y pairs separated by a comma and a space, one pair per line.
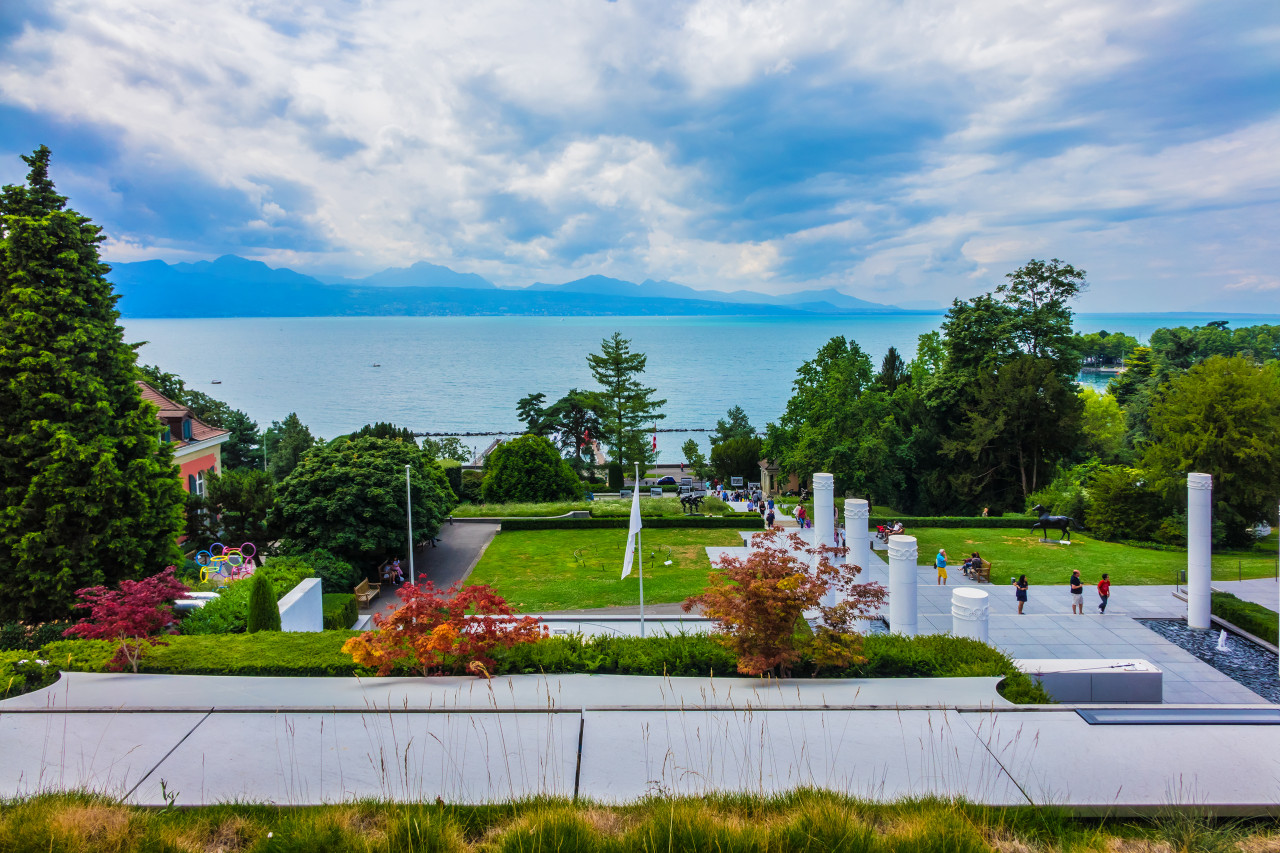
408, 509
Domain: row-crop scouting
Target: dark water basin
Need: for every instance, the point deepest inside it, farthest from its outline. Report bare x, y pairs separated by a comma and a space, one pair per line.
1243, 661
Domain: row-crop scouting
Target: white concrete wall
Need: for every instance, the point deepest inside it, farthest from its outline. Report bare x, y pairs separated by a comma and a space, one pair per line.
303, 608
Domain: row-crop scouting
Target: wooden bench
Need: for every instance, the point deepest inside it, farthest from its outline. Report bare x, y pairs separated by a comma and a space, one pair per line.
366, 591
982, 573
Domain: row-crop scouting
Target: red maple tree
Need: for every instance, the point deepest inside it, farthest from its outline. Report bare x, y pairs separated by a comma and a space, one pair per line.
759, 602
134, 615
443, 631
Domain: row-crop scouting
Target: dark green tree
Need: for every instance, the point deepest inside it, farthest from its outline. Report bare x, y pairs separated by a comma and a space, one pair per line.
737, 426
447, 447
528, 469
627, 408
574, 421
1039, 294
893, 371
738, 457
264, 610
385, 430
533, 414
1221, 417
695, 459
241, 502
348, 498
286, 443
88, 496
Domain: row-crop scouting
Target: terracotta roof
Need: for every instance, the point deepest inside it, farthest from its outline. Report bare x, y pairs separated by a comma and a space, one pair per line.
200, 431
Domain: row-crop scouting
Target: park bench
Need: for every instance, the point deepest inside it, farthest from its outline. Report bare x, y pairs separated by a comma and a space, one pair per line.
366, 591
982, 573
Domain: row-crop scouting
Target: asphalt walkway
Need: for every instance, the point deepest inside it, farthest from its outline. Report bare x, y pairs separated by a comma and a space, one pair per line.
458, 549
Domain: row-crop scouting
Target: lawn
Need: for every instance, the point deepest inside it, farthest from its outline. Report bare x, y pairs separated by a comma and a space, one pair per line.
537, 569
606, 508
1013, 552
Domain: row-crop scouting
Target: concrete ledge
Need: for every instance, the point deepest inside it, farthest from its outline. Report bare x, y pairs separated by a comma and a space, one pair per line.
1084, 681
302, 609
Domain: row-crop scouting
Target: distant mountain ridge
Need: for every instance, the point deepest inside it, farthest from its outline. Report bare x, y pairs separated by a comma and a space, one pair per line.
231, 286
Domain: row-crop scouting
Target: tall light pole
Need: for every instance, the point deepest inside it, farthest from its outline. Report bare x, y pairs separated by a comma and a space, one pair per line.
408, 509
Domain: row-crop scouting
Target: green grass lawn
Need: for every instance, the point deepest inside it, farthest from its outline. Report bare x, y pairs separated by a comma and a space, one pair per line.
537, 569
1013, 552
605, 508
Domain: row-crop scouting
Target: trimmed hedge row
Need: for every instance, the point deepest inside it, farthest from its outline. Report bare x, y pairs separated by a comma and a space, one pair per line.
1014, 521
698, 655
340, 611
1254, 618
745, 521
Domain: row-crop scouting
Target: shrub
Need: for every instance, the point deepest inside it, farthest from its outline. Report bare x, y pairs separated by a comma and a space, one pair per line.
437, 631
452, 469
759, 602
16, 636
615, 476
229, 612
335, 573
264, 612
21, 672
528, 469
1247, 616
340, 611
1068, 493
471, 483
1122, 506
132, 616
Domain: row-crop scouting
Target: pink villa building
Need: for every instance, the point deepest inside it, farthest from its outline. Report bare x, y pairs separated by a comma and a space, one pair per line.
197, 447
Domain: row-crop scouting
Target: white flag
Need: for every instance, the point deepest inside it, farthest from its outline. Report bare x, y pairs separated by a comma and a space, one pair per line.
632, 531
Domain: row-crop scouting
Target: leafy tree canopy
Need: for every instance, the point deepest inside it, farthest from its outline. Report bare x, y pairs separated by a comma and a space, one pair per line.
735, 426
528, 469
88, 495
738, 457
286, 443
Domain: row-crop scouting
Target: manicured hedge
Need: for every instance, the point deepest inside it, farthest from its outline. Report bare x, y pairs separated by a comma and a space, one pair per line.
320, 654
1009, 521
1247, 616
743, 521
340, 611
20, 637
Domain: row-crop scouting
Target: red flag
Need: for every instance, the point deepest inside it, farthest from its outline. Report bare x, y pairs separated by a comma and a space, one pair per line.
655, 438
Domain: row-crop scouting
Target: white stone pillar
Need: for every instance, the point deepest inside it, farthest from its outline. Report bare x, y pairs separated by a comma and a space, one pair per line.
1199, 540
856, 533
902, 585
824, 520
970, 613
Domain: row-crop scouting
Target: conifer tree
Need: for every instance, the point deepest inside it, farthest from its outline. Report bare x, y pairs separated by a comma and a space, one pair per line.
264, 611
88, 495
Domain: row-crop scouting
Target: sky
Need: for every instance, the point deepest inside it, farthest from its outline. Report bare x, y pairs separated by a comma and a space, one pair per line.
902, 151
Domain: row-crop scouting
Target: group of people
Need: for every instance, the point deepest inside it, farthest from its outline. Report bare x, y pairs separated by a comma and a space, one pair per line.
1076, 585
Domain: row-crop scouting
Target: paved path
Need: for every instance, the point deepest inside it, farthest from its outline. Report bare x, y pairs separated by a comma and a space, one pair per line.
458, 549
614, 739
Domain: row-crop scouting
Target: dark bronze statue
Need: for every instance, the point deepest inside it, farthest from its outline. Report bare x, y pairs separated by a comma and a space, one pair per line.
691, 503
1048, 522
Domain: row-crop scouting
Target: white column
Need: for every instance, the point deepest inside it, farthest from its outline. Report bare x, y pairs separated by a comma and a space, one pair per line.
970, 613
902, 585
824, 520
856, 533
1199, 540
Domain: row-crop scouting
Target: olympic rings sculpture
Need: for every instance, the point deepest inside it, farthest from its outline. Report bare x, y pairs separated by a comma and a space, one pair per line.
226, 563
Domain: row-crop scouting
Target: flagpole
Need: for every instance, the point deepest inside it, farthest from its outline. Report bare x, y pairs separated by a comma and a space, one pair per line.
640, 550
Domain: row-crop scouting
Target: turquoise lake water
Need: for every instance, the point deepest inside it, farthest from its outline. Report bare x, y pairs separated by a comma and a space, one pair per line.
465, 374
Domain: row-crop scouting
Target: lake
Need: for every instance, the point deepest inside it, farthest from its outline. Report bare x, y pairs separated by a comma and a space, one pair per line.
465, 374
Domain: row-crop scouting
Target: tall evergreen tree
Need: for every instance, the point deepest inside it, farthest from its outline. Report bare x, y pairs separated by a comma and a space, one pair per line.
626, 407
286, 442
88, 494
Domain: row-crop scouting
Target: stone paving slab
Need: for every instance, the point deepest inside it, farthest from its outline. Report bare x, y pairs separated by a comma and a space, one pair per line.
881, 755
110, 753
1059, 759
303, 758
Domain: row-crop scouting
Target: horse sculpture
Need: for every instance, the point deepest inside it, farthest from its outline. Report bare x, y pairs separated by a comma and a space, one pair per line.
691, 503
1048, 522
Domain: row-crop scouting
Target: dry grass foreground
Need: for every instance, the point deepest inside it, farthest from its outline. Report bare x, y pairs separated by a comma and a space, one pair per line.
800, 821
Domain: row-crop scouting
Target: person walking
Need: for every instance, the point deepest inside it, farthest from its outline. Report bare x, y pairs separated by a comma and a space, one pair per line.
1020, 592
768, 519
1077, 592
941, 562
1104, 592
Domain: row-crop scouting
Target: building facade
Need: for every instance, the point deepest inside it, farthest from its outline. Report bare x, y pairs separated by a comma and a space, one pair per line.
197, 447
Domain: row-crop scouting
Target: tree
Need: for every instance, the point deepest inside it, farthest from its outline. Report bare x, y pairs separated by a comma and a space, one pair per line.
1039, 294
1122, 505
533, 414
760, 600
385, 430
574, 420
264, 611
1102, 424
133, 615
88, 494
737, 426
893, 371
1222, 417
528, 470
286, 443
240, 502
443, 631
626, 407
696, 461
448, 447
349, 498
737, 457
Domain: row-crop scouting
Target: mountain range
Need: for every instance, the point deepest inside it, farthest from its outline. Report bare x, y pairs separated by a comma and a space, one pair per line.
232, 286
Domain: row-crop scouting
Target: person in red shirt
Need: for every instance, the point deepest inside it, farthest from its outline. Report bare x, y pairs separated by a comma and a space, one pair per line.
1104, 592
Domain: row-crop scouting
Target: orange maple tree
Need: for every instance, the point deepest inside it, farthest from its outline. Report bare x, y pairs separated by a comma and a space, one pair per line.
760, 600
443, 631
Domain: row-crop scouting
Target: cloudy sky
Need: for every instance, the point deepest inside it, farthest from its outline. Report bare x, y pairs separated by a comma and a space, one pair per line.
905, 151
